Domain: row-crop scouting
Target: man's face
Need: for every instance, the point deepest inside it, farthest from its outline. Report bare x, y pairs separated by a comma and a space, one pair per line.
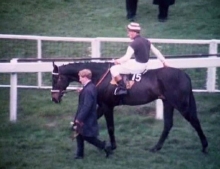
131, 34
83, 80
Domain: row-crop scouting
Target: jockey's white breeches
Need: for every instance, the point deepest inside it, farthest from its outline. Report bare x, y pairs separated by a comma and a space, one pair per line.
130, 66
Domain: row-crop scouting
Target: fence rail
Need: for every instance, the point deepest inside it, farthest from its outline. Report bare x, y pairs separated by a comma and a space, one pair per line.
96, 44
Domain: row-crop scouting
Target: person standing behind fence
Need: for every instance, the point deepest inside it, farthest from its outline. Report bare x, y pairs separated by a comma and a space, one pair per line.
85, 122
163, 8
131, 9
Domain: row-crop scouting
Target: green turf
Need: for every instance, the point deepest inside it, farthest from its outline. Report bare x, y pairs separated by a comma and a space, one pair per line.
41, 136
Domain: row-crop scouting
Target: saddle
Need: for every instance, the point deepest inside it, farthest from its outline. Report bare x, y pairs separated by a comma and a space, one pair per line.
129, 79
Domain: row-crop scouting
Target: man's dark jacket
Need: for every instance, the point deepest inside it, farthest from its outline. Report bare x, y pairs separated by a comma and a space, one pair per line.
86, 112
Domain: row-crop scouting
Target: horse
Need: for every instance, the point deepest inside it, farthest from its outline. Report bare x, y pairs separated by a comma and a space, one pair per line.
172, 85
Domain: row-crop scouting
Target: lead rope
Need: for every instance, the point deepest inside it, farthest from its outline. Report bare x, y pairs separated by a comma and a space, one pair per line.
103, 77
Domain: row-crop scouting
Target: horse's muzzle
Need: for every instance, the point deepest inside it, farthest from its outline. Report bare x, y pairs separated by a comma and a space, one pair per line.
55, 100
56, 97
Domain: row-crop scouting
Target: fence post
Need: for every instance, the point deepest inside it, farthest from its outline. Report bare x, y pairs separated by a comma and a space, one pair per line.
159, 109
211, 71
96, 48
39, 56
13, 94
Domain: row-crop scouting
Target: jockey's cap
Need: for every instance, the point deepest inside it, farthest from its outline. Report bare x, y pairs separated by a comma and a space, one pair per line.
133, 26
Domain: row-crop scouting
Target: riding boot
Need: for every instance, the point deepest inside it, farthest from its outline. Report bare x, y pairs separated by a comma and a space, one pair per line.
121, 88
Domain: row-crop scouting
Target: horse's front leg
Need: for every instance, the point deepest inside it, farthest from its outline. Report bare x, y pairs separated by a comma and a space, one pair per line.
109, 117
168, 123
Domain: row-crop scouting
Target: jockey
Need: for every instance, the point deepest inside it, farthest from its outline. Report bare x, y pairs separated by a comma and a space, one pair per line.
140, 47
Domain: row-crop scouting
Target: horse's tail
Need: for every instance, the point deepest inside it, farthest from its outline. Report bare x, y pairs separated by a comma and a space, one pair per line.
191, 108
192, 104
188, 105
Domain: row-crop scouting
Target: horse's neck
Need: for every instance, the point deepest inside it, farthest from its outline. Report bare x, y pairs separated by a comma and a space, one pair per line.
100, 76
99, 70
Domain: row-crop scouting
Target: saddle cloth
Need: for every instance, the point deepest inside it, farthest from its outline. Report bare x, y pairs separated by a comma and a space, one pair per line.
129, 79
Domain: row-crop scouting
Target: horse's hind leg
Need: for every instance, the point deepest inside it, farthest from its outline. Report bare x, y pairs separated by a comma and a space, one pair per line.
99, 112
191, 116
194, 121
168, 123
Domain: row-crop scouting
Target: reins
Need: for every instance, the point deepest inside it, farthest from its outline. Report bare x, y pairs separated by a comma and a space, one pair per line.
100, 81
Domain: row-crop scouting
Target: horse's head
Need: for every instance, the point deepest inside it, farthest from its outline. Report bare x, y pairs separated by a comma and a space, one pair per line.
59, 84
63, 75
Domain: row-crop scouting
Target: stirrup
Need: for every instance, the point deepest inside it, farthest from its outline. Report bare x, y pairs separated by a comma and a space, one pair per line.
119, 91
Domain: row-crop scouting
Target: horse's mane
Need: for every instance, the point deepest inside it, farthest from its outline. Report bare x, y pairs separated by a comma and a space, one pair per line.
75, 67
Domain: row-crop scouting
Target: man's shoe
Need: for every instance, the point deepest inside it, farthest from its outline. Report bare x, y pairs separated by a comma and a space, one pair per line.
108, 150
77, 157
162, 19
120, 91
132, 19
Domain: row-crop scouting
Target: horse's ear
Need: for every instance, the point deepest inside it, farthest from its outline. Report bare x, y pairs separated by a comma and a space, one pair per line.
55, 68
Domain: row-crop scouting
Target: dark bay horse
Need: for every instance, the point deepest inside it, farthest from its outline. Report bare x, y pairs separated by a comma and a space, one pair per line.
172, 85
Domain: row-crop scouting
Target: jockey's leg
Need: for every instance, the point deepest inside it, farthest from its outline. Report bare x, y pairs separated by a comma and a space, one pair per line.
131, 66
121, 88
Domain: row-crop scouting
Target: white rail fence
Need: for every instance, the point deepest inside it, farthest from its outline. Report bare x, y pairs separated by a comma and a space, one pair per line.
96, 49
14, 67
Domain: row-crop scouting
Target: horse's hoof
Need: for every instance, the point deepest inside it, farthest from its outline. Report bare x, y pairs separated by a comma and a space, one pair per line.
113, 147
204, 150
154, 149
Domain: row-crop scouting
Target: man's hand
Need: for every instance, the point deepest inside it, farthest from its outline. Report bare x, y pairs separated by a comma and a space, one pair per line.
74, 130
78, 122
76, 125
72, 126
78, 90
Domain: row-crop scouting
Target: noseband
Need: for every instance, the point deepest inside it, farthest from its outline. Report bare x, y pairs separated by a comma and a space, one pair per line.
57, 91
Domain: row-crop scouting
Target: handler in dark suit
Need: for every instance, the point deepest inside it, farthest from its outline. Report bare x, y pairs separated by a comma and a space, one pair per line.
163, 8
85, 121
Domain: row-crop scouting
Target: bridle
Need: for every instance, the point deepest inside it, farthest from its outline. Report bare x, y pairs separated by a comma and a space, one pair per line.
57, 91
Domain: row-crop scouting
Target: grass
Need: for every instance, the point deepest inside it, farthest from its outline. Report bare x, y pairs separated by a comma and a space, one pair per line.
95, 19
40, 137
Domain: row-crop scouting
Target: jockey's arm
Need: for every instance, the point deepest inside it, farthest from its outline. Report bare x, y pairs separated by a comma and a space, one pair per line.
127, 56
158, 54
